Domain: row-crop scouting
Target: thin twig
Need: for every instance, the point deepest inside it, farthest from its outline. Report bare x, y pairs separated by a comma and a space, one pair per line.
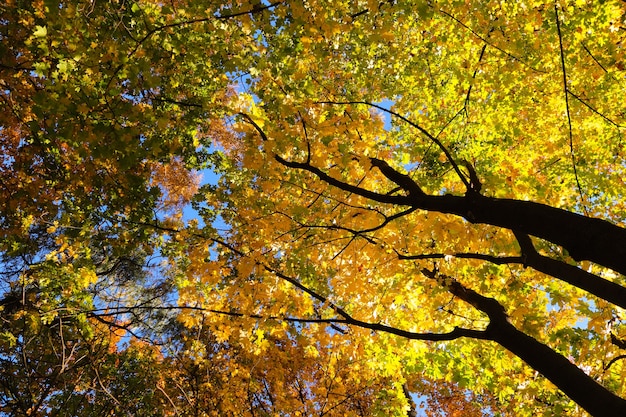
569, 117
416, 126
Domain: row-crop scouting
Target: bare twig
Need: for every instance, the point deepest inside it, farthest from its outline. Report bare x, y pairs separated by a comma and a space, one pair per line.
567, 108
416, 126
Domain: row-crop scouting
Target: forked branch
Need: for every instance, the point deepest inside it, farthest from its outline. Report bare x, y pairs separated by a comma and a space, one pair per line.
425, 132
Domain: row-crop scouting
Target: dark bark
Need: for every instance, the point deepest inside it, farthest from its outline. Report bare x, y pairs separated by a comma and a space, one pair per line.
600, 287
585, 238
573, 275
577, 385
580, 387
412, 411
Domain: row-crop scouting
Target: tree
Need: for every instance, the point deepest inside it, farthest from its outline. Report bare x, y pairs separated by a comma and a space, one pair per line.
429, 194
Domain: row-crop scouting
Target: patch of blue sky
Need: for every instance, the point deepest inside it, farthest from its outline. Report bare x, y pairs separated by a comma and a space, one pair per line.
387, 104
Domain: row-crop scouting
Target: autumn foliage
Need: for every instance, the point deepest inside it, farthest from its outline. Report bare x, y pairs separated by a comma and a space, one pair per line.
294, 208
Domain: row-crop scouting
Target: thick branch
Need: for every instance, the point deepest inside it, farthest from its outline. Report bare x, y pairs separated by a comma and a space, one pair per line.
573, 275
570, 379
585, 238
600, 287
402, 180
412, 411
577, 385
490, 306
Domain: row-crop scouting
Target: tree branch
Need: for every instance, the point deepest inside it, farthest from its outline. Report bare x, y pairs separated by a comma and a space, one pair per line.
416, 126
576, 384
402, 180
381, 198
456, 333
573, 275
569, 117
256, 9
498, 260
585, 238
483, 39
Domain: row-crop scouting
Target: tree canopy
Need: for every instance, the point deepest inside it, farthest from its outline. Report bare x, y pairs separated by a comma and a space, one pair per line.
418, 208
